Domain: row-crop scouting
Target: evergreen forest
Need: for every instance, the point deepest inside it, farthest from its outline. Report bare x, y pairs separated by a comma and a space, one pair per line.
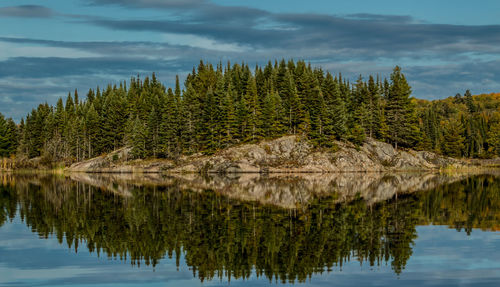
217, 107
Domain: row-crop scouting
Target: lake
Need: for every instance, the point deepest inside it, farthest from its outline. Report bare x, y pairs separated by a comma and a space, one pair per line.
305, 230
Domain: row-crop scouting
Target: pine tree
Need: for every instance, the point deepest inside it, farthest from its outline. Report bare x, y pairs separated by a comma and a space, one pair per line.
469, 102
382, 127
357, 135
60, 117
360, 105
153, 132
168, 126
425, 142
206, 129
4, 143
76, 98
190, 114
91, 131
320, 121
453, 140
230, 121
335, 107
220, 112
272, 114
414, 135
254, 125
494, 139
113, 120
399, 110
373, 106
136, 137
70, 107
304, 128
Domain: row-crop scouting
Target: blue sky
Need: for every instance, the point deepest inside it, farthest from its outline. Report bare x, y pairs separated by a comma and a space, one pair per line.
48, 48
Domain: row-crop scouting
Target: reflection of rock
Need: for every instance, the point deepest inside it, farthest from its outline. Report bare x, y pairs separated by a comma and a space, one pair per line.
284, 190
107, 182
289, 154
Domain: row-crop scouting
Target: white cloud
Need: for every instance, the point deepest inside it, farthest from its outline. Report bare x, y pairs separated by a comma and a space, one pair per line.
202, 42
12, 50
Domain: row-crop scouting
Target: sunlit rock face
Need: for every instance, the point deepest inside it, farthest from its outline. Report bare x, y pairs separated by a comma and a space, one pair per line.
289, 154
283, 190
292, 154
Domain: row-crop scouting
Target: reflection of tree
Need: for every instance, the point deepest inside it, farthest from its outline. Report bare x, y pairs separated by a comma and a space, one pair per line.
8, 202
221, 237
472, 203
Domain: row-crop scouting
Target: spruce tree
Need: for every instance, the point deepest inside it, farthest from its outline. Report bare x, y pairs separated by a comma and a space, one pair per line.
60, 116
190, 115
277, 115
357, 135
373, 105
494, 139
206, 132
254, 125
453, 140
4, 143
335, 106
469, 102
153, 132
359, 108
220, 112
170, 124
399, 110
136, 137
92, 131
230, 121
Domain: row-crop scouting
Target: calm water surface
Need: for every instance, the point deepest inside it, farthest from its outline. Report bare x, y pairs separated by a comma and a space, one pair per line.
383, 230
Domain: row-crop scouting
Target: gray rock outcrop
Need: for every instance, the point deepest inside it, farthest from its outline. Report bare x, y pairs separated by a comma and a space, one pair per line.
289, 154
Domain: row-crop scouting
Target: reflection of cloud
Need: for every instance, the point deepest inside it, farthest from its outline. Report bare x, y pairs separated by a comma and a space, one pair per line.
441, 257
16, 236
26, 11
32, 277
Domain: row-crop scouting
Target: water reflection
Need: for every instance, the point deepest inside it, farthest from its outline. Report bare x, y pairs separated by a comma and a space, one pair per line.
281, 227
282, 190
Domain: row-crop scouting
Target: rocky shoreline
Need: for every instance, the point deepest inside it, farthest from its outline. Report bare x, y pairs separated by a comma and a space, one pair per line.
289, 154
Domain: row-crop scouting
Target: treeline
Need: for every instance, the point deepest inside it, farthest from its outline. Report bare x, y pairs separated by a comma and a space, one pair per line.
226, 105
461, 126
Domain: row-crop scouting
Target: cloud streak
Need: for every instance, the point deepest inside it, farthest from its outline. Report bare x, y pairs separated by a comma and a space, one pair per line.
380, 35
377, 37
439, 60
164, 4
